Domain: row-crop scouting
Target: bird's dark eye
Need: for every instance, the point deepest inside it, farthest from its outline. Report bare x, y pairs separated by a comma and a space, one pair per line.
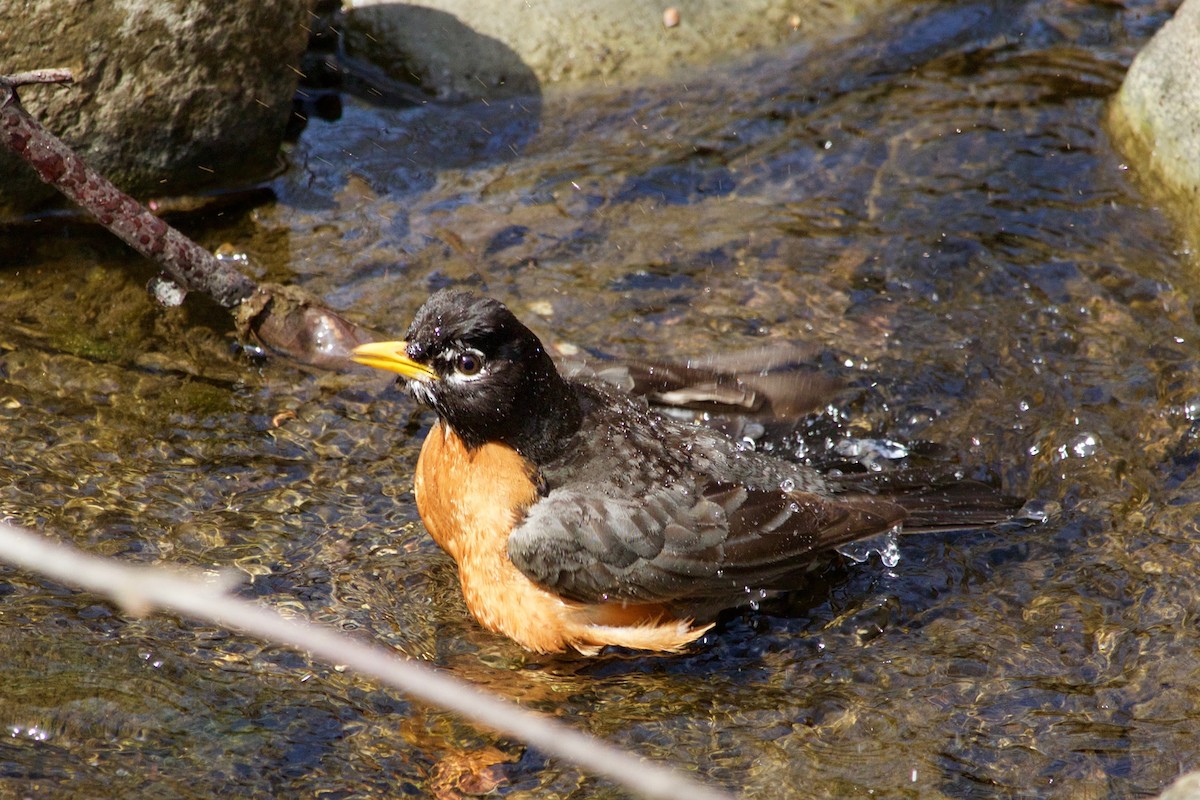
469, 364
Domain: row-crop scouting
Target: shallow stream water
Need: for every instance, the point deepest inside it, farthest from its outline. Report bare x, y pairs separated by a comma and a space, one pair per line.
933, 205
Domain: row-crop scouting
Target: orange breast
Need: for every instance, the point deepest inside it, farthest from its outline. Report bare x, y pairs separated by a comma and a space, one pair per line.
469, 500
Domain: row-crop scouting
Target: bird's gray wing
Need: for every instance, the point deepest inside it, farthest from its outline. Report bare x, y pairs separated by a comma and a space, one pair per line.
683, 541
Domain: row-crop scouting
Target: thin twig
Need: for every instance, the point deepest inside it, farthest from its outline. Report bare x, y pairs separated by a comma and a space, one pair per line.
139, 589
38, 76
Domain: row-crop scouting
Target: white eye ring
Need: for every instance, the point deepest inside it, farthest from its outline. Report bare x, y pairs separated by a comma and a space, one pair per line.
469, 363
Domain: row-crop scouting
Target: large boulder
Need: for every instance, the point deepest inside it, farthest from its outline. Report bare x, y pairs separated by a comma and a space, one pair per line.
1155, 117
171, 96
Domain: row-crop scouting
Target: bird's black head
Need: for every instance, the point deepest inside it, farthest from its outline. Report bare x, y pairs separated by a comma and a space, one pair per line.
485, 374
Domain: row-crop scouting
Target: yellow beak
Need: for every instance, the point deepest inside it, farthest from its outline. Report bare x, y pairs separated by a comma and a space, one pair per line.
393, 357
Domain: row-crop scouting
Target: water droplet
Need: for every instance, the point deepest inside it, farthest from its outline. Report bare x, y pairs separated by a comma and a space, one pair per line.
1035, 512
229, 255
787, 485
1084, 445
1081, 445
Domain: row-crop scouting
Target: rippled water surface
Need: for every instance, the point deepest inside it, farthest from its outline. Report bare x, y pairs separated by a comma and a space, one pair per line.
933, 205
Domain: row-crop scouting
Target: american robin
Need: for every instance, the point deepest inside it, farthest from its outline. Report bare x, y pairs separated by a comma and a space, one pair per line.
580, 517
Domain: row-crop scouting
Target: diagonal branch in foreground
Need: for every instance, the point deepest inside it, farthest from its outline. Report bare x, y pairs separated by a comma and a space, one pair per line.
140, 589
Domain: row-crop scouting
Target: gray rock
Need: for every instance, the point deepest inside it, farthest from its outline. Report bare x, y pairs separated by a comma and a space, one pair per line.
1155, 117
170, 97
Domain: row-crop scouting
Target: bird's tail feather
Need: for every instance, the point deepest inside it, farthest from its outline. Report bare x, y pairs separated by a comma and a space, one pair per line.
935, 502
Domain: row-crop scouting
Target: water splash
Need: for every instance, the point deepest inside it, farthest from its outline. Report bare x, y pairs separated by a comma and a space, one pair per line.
871, 453
752, 433
1034, 512
885, 545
